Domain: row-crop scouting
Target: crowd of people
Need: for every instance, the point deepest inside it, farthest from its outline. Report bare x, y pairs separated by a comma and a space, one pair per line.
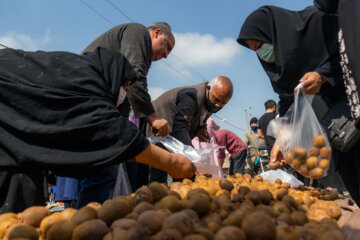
68, 114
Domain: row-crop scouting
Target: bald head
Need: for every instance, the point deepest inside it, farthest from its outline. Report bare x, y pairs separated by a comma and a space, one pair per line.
219, 91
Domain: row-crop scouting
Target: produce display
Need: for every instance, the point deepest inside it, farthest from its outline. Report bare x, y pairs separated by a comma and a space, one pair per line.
238, 207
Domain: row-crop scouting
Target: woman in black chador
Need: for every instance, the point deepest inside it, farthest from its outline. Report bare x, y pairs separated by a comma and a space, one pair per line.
58, 111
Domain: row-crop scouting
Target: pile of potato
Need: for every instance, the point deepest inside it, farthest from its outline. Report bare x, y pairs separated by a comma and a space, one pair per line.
312, 163
238, 207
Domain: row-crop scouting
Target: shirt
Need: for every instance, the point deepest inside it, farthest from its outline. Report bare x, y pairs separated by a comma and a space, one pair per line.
263, 124
233, 144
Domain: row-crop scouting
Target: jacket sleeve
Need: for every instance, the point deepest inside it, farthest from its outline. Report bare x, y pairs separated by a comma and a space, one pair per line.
186, 107
136, 47
246, 139
331, 71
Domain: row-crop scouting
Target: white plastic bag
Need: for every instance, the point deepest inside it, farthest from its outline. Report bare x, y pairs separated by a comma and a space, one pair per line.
301, 138
272, 175
200, 157
122, 186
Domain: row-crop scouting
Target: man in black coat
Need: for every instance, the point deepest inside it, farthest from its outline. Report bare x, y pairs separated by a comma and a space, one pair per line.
140, 46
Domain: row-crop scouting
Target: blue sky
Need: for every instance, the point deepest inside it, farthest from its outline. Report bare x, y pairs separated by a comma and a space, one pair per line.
205, 32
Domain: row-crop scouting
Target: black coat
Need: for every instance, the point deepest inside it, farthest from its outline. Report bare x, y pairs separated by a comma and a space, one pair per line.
303, 41
58, 112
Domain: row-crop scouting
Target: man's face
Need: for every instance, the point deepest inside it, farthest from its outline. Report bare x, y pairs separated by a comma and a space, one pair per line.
218, 96
161, 46
253, 125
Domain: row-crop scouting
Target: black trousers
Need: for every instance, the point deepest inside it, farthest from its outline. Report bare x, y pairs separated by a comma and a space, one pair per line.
238, 163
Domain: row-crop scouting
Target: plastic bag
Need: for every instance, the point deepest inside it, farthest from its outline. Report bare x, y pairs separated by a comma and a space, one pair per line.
122, 186
301, 138
200, 157
272, 175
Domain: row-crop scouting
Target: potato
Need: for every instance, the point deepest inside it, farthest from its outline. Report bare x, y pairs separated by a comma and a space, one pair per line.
296, 164
313, 152
333, 211
8, 215
84, 214
230, 233
274, 165
21, 231
61, 231
154, 225
319, 141
117, 208
316, 173
312, 162
33, 215
226, 184
180, 221
143, 194
324, 164
158, 191
68, 213
95, 205
48, 221
170, 202
5, 223
325, 152
92, 229
299, 152
123, 223
258, 225
304, 170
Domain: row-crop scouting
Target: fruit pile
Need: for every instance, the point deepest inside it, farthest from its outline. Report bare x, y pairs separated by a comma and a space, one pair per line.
238, 207
312, 163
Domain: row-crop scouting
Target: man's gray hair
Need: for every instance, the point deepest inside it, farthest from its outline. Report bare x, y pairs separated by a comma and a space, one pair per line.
163, 26
215, 82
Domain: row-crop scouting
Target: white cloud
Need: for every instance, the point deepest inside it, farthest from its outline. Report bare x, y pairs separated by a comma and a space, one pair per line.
23, 41
199, 50
155, 92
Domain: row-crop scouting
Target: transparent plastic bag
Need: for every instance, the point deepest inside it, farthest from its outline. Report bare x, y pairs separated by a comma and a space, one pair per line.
122, 186
200, 157
301, 138
272, 175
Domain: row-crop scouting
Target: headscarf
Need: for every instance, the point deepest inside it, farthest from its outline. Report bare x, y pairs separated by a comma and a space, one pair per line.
58, 110
302, 40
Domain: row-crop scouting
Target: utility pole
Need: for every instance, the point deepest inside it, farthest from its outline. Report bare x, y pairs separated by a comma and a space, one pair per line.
247, 121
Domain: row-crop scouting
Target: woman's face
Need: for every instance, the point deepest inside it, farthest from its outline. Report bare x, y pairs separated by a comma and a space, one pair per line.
254, 44
126, 85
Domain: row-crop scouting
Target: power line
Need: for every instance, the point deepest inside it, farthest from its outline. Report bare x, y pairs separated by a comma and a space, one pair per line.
227, 122
123, 13
3, 45
98, 13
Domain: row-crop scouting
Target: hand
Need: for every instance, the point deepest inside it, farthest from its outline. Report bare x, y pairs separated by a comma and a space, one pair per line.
160, 127
181, 167
276, 155
312, 83
203, 135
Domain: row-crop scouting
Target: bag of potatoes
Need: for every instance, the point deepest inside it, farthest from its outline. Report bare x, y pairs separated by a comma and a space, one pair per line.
301, 138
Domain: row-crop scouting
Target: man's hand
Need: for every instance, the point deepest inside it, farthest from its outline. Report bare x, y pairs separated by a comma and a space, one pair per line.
276, 155
203, 135
312, 83
181, 167
160, 127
